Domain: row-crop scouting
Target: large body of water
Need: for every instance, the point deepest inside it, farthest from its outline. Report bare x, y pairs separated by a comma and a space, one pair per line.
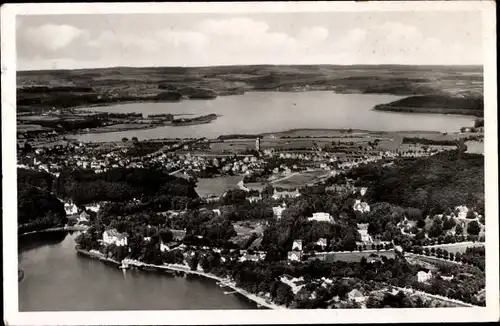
57, 279
263, 112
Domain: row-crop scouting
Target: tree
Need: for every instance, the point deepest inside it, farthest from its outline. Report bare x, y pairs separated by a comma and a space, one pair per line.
284, 294
124, 139
473, 228
459, 229
436, 230
205, 264
134, 139
478, 123
193, 262
426, 251
27, 147
420, 235
449, 223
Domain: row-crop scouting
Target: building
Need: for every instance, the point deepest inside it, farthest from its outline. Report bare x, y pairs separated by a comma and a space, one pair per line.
112, 236
257, 144
322, 242
254, 199
285, 194
363, 190
295, 255
321, 217
356, 296
164, 247
360, 206
447, 278
423, 277
70, 209
363, 232
84, 217
297, 245
249, 257
278, 210
94, 208
461, 212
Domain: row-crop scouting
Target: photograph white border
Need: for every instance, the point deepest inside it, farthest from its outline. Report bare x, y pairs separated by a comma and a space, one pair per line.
208, 317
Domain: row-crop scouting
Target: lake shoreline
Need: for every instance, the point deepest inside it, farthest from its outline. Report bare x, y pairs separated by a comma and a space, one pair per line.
171, 267
278, 133
55, 229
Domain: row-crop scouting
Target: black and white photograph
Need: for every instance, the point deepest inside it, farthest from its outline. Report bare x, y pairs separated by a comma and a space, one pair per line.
230, 159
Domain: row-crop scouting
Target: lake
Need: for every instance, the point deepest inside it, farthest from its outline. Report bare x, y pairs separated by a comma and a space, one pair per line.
57, 279
264, 112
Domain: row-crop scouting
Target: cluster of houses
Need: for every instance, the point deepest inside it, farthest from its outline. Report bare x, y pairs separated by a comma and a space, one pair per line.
281, 194
462, 215
81, 215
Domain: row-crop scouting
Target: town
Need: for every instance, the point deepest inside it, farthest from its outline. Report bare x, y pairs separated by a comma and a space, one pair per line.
343, 219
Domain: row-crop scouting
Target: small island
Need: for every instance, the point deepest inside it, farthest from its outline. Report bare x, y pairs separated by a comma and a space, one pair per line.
193, 121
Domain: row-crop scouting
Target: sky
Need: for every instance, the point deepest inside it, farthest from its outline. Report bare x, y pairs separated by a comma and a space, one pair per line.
193, 39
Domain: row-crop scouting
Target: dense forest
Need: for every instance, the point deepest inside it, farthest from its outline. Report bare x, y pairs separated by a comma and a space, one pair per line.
432, 184
121, 185
38, 207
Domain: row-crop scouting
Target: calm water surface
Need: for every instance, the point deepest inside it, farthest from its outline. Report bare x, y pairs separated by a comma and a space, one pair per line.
262, 112
57, 279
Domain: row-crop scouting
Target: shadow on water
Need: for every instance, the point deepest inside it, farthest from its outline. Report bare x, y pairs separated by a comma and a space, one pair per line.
35, 240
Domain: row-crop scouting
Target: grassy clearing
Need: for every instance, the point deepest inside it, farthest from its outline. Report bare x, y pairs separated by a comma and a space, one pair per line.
216, 186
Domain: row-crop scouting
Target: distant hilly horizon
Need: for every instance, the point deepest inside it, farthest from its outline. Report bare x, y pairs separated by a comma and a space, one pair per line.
261, 66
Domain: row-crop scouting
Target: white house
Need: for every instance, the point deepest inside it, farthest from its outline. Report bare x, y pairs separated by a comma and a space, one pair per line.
321, 217
356, 296
447, 278
322, 242
112, 236
70, 209
84, 217
94, 208
216, 211
461, 212
294, 255
164, 247
360, 206
363, 232
423, 277
278, 210
363, 190
297, 245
